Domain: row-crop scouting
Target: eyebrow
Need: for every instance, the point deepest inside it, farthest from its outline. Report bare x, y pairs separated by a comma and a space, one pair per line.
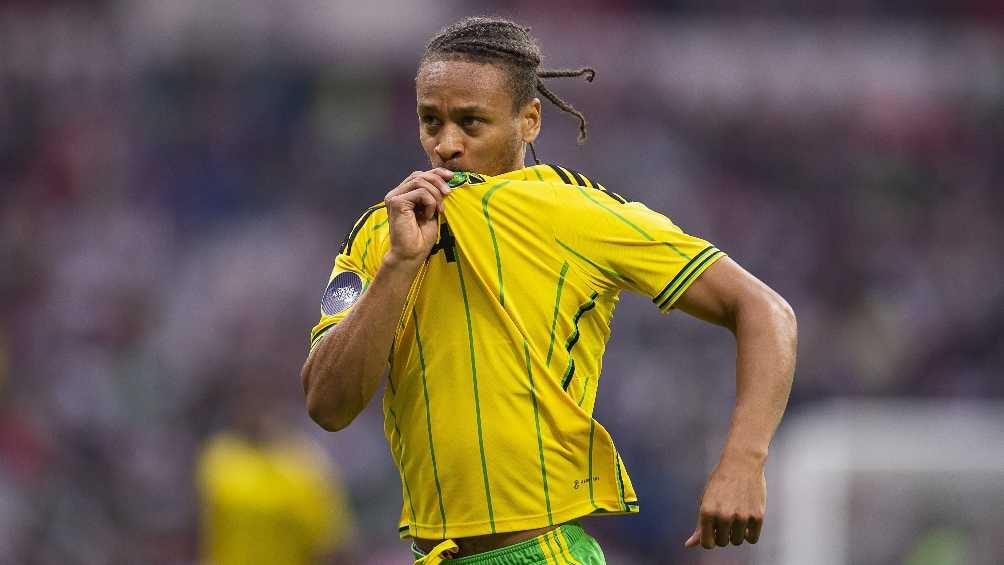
464, 109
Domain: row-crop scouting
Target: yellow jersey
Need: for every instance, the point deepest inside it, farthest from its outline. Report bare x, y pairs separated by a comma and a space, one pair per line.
268, 503
497, 355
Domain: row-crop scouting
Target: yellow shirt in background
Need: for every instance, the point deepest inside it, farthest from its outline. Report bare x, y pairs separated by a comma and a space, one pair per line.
268, 504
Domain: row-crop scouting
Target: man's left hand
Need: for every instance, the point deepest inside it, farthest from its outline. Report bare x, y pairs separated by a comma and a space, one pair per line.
732, 507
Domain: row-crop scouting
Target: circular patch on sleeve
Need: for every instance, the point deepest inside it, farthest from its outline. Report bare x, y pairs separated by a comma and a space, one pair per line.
342, 292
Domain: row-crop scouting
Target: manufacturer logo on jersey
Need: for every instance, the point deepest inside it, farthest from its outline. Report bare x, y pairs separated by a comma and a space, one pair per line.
342, 292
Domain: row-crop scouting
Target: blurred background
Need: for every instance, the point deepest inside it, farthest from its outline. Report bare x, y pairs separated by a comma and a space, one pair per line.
175, 178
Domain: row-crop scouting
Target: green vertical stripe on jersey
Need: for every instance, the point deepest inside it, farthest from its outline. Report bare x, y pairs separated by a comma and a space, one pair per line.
407, 490
366, 251
626, 221
428, 422
540, 439
585, 386
477, 402
491, 230
536, 172
557, 303
605, 270
675, 249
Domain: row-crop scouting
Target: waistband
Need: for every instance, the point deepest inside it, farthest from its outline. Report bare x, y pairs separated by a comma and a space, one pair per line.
528, 551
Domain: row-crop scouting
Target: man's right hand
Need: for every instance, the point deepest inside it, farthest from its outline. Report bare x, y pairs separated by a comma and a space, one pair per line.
413, 209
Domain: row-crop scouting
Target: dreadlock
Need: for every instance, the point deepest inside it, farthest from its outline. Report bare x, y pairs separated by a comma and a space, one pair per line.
496, 40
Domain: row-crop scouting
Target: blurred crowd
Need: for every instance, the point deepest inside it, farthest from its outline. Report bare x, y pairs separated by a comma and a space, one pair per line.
167, 224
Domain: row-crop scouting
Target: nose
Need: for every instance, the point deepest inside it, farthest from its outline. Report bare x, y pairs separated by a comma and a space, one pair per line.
450, 145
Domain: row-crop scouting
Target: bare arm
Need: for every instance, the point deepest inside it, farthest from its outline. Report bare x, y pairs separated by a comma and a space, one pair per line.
734, 502
343, 371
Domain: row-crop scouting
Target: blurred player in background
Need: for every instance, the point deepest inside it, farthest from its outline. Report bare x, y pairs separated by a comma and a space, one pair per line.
268, 493
490, 287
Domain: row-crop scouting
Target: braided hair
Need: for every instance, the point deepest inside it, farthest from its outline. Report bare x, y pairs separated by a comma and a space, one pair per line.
499, 41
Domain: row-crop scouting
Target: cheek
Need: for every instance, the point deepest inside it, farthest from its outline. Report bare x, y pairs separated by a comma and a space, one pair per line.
428, 142
503, 148
502, 139
513, 141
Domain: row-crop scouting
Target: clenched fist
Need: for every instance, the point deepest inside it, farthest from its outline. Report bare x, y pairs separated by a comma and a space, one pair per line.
732, 507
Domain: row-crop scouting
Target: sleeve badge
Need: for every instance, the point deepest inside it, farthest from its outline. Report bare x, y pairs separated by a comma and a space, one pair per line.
342, 292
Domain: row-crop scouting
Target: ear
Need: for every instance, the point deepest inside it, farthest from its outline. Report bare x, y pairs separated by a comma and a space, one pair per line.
529, 120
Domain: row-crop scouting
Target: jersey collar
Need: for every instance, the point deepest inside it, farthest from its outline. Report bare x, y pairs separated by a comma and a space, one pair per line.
526, 172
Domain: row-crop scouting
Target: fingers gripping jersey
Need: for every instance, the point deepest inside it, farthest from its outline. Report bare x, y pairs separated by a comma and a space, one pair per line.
497, 357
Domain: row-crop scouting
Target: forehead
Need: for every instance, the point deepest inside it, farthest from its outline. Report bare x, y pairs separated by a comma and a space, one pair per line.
462, 83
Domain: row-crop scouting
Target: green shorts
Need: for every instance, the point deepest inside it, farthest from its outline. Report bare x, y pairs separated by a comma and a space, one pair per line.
566, 545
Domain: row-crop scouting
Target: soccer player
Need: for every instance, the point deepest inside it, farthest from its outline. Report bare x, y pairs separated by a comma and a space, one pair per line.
489, 287
267, 493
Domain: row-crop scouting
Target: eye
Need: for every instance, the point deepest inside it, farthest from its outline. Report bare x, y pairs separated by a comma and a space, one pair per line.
428, 120
470, 121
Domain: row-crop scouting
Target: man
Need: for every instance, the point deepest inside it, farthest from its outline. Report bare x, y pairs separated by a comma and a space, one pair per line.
269, 494
489, 287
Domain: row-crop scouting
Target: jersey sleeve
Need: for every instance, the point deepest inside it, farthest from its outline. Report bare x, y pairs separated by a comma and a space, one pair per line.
355, 267
626, 245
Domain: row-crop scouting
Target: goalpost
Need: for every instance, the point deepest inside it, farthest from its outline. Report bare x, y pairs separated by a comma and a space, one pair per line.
886, 481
